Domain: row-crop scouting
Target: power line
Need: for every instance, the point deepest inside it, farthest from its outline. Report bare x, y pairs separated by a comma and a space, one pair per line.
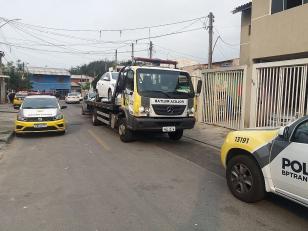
114, 30
69, 52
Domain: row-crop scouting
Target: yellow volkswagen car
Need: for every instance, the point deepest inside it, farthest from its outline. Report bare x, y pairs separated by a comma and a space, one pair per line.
40, 113
18, 99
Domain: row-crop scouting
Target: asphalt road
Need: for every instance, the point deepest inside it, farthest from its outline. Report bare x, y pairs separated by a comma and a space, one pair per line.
89, 180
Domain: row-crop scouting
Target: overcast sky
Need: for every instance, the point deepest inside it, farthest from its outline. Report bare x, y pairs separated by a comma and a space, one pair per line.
44, 47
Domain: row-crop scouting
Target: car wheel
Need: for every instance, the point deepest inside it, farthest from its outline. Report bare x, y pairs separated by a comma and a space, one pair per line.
95, 121
109, 95
18, 134
245, 179
126, 135
177, 135
62, 132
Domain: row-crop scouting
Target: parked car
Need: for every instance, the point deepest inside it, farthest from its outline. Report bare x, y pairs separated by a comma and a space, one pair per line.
91, 96
18, 99
72, 98
105, 85
268, 160
40, 113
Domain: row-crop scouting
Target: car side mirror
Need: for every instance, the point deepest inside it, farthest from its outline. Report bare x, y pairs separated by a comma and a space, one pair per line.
106, 79
63, 107
199, 87
284, 133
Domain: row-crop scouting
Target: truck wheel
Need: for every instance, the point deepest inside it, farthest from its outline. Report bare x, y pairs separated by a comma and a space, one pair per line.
175, 135
245, 179
126, 135
95, 121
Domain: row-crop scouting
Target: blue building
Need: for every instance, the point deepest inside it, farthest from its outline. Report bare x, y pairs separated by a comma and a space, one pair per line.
50, 80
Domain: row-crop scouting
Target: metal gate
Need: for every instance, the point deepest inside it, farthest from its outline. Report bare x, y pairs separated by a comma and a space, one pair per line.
224, 97
279, 93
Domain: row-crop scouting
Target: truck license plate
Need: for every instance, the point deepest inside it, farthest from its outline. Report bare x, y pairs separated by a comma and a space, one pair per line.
168, 129
40, 125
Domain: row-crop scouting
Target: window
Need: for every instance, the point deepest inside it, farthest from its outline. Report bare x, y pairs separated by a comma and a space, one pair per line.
281, 5
129, 80
60, 79
301, 133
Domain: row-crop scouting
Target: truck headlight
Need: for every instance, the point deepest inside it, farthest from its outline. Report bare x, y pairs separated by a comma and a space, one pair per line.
144, 111
191, 111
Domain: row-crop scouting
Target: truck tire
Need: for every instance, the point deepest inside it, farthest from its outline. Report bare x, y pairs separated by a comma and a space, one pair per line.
126, 135
177, 135
95, 121
245, 179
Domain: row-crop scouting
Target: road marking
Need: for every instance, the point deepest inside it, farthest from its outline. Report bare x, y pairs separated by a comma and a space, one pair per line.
99, 140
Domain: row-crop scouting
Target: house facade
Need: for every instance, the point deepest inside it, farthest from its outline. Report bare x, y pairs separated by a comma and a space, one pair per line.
273, 30
50, 80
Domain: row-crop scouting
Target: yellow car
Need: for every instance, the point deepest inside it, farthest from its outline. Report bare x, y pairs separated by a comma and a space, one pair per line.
18, 99
40, 113
272, 160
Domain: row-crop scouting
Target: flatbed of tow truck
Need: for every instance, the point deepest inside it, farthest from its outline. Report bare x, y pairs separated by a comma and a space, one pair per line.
143, 101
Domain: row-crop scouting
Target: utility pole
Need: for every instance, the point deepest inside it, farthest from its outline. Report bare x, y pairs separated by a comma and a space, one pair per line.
210, 27
133, 51
1, 55
116, 57
151, 49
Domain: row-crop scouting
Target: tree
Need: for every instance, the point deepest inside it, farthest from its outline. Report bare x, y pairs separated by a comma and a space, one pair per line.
18, 77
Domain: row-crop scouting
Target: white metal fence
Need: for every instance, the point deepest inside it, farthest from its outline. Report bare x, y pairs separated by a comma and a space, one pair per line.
279, 93
223, 97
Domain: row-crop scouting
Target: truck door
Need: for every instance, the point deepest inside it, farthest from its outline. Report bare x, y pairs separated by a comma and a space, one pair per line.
289, 164
128, 93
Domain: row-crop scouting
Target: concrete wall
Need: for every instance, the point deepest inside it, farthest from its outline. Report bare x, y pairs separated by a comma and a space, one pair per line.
280, 34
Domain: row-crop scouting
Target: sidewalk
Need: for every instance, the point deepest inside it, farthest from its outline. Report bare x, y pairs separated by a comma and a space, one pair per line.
208, 134
7, 118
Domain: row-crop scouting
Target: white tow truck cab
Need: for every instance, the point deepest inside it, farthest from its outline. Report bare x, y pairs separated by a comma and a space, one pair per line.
149, 98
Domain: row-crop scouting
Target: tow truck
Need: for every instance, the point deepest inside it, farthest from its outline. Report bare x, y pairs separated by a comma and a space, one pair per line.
148, 97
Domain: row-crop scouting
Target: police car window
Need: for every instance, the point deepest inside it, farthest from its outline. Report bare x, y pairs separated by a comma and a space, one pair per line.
301, 134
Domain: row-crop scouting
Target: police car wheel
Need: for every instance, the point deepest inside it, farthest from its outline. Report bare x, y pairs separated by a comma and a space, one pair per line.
126, 135
245, 179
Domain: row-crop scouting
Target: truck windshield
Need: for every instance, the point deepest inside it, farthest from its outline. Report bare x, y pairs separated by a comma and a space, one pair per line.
164, 83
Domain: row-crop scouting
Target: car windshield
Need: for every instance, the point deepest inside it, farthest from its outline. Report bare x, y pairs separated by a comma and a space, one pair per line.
40, 103
115, 75
170, 84
20, 96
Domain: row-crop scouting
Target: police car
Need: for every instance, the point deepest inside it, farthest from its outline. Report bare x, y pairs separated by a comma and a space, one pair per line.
260, 161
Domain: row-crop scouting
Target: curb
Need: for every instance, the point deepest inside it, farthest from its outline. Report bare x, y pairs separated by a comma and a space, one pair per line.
7, 138
202, 142
9, 111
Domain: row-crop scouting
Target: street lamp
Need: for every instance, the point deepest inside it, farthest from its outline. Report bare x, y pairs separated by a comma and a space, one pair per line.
8, 21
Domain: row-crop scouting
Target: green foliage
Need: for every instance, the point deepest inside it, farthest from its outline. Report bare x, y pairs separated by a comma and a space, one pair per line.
85, 86
18, 77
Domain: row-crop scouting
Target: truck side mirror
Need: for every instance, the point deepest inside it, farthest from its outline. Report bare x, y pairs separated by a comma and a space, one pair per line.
199, 87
